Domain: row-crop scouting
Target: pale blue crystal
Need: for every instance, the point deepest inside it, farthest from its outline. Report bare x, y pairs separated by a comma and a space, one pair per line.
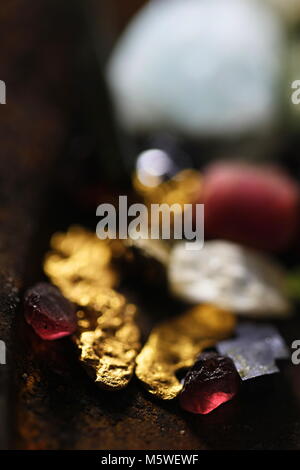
199, 67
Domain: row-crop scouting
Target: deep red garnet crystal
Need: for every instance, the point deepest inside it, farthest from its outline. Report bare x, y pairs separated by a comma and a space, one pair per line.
211, 381
49, 313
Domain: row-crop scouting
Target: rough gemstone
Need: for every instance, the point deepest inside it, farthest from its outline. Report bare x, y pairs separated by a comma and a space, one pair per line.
253, 205
49, 313
164, 73
175, 344
211, 381
230, 276
255, 350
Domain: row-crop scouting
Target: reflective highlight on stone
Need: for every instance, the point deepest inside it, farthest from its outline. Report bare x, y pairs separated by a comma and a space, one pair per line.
230, 276
212, 381
49, 313
107, 338
255, 350
176, 343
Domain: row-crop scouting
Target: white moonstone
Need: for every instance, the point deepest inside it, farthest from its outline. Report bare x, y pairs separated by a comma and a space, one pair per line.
199, 67
230, 276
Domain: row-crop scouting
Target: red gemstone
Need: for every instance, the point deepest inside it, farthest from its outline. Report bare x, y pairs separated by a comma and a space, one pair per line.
255, 206
49, 313
212, 380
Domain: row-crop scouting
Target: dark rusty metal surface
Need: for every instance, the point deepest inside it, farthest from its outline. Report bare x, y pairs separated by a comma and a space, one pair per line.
36, 63
51, 403
60, 408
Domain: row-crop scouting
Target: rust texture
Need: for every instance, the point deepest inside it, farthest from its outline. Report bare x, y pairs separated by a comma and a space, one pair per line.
33, 123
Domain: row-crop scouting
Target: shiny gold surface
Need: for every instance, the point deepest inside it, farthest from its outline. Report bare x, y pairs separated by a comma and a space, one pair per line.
175, 344
107, 336
80, 265
108, 341
183, 188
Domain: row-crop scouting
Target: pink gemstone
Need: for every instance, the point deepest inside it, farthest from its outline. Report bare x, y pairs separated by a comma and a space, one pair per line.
212, 380
252, 205
49, 313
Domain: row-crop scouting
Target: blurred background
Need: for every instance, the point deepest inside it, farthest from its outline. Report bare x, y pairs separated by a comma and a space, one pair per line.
204, 83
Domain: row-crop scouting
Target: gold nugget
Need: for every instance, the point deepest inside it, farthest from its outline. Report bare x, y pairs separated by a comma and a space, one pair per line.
80, 265
179, 192
183, 188
107, 336
175, 344
109, 340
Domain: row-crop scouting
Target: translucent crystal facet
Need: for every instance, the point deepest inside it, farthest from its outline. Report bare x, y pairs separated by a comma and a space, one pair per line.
212, 381
49, 313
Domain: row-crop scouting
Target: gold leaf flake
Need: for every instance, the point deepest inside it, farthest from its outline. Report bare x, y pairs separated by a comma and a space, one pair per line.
176, 343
